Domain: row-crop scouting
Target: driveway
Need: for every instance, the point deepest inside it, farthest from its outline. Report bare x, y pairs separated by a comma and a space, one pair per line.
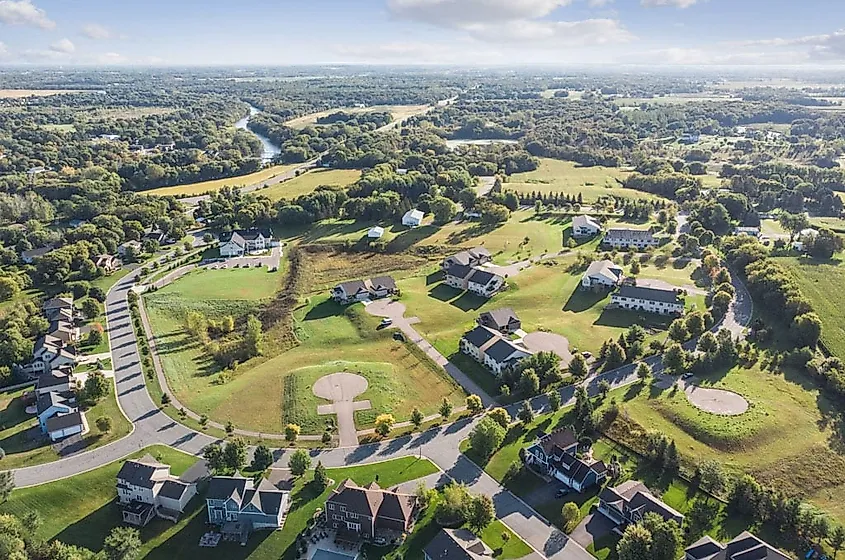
592, 528
549, 342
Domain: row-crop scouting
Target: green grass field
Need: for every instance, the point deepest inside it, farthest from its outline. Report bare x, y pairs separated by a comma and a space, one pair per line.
556, 176
817, 282
270, 391
82, 510
20, 436
399, 112
217, 184
307, 182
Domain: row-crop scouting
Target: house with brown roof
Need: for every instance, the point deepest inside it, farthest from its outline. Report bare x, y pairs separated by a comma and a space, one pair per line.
109, 263
630, 501
368, 511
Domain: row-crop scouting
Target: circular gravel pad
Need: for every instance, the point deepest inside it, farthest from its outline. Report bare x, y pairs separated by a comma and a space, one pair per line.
340, 387
549, 342
716, 401
386, 308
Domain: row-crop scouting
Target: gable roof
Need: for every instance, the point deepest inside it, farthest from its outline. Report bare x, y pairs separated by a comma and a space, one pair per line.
605, 269
745, 546
372, 501
479, 336
139, 472
649, 293
52, 379
173, 489
62, 421
413, 214
35, 253
58, 303
461, 271
481, 276
383, 283
225, 487
561, 440
48, 400
353, 287
630, 234
266, 498
585, 221
501, 317
638, 497
470, 255
502, 350
457, 544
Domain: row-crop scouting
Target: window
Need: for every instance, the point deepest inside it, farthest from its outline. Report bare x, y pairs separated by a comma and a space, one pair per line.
342, 507
351, 515
353, 526
330, 506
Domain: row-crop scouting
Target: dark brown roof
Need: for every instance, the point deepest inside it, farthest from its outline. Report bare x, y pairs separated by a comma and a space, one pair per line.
561, 440
372, 501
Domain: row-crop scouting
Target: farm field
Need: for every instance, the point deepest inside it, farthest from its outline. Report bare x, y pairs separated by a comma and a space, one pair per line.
817, 282
21, 93
84, 511
18, 430
785, 439
308, 182
270, 391
399, 112
570, 178
217, 184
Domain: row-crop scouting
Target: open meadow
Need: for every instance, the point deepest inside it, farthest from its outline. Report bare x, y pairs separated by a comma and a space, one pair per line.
308, 182
399, 112
556, 176
217, 184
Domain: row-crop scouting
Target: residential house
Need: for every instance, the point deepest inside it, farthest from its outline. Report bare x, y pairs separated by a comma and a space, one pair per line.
749, 231
369, 511
235, 499
360, 290
630, 501
479, 281
156, 235
56, 381
472, 257
376, 232
413, 218
146, 489
556, 455
624, 238
602, 274
504, 320
492, 349
135, 247
240, 242
58, 416
457, 544
109, 263
49, 353
585, 226
660, 300
29, 256
745, 546
64, 330
690, 138
58, 304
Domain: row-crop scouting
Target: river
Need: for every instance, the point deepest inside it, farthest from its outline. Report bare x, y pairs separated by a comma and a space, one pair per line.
269, 150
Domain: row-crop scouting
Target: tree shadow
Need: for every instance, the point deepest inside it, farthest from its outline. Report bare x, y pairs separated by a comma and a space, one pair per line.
476, 230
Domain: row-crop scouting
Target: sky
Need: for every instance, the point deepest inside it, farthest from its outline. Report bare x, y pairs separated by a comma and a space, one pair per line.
451, 32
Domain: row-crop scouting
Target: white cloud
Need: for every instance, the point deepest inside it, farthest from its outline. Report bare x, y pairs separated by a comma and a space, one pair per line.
598, 3
555, 33
111, 58
670, 3
24, 12
96, 31
823, 47
458, 13
717, 56
64, 46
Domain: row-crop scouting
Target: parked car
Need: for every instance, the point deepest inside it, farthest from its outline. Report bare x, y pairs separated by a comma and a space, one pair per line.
399, 336
561, 492
385, 323
687, 375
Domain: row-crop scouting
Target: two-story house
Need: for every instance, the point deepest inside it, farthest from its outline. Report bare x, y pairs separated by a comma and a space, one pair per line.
585, 226
49, 353
479, 281
653, 299
368, 511
630, 501
240, 242
492, 349
623, 238
235, 499
556, 455
602, 274
471, 257
146, 489
504, 320
56, 381
58, 415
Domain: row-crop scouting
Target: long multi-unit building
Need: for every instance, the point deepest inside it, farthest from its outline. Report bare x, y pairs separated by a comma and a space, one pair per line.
624, 238
663, 301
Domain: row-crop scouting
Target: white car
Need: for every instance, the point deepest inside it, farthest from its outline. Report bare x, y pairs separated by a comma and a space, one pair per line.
687, 375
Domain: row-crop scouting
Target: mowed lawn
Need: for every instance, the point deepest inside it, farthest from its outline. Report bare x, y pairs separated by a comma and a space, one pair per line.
399, 112
217, 184
83, 509
818, 282
556, 176
21, 438
308, 182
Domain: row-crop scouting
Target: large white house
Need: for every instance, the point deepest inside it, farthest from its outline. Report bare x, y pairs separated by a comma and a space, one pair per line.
146, 489
413, 218
479, 281
240, 242
585, 226
492, 349
602, 274
663, 301
623, 238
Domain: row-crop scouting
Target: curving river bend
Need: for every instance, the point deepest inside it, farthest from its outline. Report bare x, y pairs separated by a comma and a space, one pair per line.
269, 150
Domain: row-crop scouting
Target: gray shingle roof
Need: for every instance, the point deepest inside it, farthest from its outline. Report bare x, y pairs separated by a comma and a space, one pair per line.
482, 277
457, 544
140, 472
502, 350
629, 234
62, 421
173, 489
47, 400
501, 318
650, 294
479, 336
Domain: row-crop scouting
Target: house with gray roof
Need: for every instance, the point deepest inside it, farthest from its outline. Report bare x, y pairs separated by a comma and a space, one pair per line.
492, 349
58, 415
242, 241
369, 511
555, 455
237, 504
602, 274
479, 281
359, 290
504, 320
745, 546
585, 226
630, 501
471, 257
146, 489
652, 298
625, 238
456, 544
30, 255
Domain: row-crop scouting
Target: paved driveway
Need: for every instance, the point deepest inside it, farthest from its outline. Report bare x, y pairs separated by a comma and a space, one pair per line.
592, 528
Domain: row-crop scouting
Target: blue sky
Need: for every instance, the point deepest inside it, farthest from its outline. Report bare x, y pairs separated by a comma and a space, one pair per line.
463, 32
